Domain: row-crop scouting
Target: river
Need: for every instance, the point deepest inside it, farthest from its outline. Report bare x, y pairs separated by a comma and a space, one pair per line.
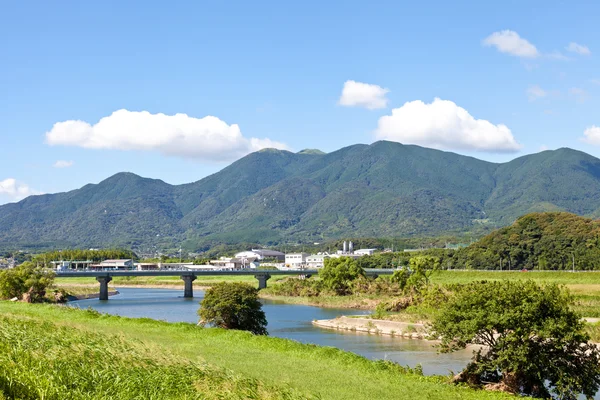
288, 321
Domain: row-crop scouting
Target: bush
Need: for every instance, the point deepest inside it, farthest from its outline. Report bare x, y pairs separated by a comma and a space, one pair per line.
533, 340
338, 274
233, 306
27, 282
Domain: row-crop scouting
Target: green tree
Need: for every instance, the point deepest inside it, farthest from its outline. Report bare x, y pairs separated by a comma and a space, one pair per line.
422, 267
533, 340
233, 306
27, 281
338, 274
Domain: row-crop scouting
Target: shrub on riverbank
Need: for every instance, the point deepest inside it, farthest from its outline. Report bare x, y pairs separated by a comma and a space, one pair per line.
533, 340
26, 282
233, 306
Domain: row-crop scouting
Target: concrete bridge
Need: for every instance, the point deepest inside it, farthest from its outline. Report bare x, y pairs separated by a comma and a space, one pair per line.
188, 277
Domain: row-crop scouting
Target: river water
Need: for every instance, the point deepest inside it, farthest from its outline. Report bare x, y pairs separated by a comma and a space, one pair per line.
286, 321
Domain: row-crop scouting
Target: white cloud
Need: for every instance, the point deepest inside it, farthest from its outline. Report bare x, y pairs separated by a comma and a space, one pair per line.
578, 94
592, 135
15, 190
510, 42
578, 48
63, 164
175, 135
444, 125
358, 94
535, 92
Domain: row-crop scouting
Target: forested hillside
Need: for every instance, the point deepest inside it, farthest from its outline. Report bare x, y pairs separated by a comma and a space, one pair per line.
551, 240
381, 190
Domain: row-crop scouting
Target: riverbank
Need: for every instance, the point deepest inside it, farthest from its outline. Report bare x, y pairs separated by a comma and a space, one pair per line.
280, 368
87, 296
375, 326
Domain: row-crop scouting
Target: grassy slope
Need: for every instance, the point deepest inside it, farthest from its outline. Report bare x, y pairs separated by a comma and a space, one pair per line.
325, 372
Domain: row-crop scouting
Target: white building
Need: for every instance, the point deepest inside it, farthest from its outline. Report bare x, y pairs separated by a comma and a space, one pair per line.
316, 260
231, 263
261, 254
114, 264
296, 259
364, 252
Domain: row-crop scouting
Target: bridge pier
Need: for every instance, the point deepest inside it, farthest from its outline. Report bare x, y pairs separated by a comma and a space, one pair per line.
103, 286
262, 280
188, 290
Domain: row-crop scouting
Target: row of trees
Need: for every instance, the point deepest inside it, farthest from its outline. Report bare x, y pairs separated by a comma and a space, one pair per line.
78, 254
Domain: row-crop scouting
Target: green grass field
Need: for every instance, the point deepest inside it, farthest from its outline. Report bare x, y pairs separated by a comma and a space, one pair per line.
56, 352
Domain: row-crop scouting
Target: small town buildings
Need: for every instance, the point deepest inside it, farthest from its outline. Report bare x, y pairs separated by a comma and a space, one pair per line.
316, 260
296, 259
261, 254
113, 264
364, 252
72, 265
229, 263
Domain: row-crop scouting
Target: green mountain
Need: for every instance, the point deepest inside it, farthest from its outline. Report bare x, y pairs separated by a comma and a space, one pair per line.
548, 240
381, 190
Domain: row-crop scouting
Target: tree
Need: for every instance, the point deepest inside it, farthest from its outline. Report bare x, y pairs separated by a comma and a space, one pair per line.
338, 274
422, 267
27, 281
233, 306
533, 340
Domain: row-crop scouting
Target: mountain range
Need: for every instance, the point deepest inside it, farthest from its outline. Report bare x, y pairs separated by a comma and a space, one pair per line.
385, 189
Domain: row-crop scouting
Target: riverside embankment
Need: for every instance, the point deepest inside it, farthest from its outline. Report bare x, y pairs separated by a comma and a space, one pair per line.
228, 363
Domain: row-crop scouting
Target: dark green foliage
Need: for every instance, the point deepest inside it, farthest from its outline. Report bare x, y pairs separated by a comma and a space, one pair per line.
338, 274
27, 282
82, 255
383, 190
532, 337
544, 241
233, 306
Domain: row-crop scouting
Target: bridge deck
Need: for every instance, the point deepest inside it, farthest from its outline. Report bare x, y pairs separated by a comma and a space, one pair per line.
114, 273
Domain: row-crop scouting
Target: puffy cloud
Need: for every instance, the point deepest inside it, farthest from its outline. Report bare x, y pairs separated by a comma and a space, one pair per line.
444, 125
510, 42
535, 92
63, 164
175, 135
592, 135
578, 48
15, 190
358, 94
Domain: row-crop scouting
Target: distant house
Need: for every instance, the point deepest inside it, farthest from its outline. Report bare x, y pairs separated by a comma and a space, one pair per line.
296, 259
113, 264
364, 252
261, 254
229, 263
316, 260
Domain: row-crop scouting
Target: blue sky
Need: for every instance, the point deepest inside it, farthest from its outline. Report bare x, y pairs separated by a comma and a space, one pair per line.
512, 77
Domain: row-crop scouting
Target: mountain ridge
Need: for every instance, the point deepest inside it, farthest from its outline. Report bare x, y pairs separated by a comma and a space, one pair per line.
385, 189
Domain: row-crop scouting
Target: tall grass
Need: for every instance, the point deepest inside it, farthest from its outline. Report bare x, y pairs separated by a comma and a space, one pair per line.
43, 361
94, 356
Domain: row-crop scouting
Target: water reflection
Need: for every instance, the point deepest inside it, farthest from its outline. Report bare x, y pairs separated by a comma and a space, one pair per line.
285, 321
